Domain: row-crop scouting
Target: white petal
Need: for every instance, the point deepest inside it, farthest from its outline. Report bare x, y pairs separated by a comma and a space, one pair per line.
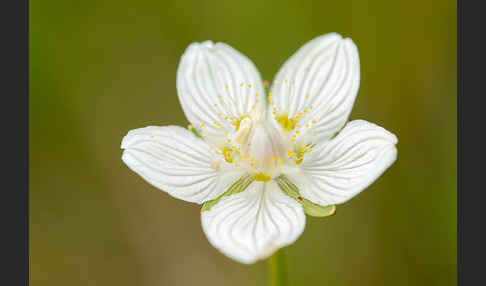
320, 81
337, 170
215, 81
251, 225
174, 160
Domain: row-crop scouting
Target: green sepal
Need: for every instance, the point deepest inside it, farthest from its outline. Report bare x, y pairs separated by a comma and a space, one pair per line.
310, 208
238, 187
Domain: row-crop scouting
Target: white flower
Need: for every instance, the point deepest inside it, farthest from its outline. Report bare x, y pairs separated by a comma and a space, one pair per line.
262, 161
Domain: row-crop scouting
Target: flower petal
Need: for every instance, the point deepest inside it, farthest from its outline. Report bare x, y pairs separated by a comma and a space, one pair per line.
318, 84
337, 170
251, 225
217, 85
176, 161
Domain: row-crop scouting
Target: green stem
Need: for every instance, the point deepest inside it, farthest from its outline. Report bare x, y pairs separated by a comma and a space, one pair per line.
277, 268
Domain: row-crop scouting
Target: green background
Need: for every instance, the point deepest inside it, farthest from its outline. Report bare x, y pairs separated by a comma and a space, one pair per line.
100, 68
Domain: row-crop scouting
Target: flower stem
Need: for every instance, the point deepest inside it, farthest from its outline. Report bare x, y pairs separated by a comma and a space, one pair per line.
277, 268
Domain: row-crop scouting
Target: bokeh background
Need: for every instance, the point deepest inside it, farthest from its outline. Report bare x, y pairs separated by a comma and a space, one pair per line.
100, 68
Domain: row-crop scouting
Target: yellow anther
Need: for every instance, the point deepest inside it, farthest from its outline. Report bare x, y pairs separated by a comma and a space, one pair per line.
262, 177
219, 96
279, 161
314, 122
307, 96
202, 125
226, 86
293, 140
257, 95
270, 95
253, 107
226, 118
275, 83
228, 154
286, 81
229, 140
249, 85
215, 105
310, 107
305, 110
237, 122
271, 102
307, 126
241, 84
257, 101
272, 159
297, 132
286, 123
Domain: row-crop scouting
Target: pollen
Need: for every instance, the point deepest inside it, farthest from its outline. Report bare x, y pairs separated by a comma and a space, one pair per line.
215, 105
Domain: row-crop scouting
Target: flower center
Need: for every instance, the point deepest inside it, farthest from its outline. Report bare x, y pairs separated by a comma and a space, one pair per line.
261, 144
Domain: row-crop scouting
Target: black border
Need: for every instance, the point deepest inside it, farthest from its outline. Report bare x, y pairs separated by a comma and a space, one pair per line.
471, 200
14, 211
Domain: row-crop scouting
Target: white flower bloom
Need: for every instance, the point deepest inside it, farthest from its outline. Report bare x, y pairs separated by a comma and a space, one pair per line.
261, 162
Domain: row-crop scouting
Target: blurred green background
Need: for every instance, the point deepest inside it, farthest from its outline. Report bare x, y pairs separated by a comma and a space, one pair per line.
100, 68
